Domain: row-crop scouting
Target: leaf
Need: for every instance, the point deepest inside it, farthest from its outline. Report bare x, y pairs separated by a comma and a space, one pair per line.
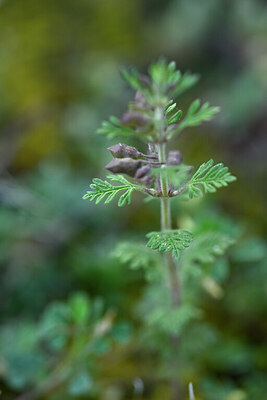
172, 115
170, 241
176, 175
163, 74
208, 178
114, 128
186, 82
105, 190
207, 246
138, 256
80, 305
172, 321
197, 114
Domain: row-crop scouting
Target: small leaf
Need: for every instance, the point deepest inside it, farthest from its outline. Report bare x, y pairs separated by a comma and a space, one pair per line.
170, 241
104, 190
208, 178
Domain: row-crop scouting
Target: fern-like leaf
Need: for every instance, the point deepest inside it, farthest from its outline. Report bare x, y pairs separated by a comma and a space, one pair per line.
172, 321
170, 241
114, 128
208, 178
138, 256
186, 82
105, 190
207, 246
197, 114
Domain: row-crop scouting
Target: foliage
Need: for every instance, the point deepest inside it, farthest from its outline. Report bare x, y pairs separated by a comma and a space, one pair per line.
154, 118
138, 256
105, 190
170, 241
55, 89
69, 334
172, 321
209, 177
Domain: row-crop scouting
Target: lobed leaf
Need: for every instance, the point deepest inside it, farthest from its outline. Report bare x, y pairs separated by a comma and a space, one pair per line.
105, 190
114, 128
208, 178
207, 246
197, 114
170, 241
138, 256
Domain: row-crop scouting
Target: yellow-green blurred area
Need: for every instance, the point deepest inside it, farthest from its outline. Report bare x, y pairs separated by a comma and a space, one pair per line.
71, 316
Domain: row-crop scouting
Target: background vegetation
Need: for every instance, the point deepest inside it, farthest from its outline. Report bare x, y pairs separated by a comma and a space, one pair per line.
71, 316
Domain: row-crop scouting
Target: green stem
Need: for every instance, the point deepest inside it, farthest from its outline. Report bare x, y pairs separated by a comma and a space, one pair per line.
171, 267
167, 225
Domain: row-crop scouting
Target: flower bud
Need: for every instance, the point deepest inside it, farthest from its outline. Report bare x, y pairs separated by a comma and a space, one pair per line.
123, 166
121, 150
174, 157
147, 180
133, 118
141, 172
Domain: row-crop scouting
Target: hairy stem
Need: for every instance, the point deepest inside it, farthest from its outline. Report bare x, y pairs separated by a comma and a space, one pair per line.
173, 281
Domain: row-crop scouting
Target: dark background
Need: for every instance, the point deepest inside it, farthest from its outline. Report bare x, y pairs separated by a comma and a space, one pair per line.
59, 78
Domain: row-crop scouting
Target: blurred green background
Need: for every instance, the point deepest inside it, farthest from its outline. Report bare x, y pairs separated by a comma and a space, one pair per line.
59, 78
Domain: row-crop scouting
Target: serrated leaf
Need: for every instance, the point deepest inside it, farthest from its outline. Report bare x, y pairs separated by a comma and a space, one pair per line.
170, 241
101, 190
197, 114
208, 178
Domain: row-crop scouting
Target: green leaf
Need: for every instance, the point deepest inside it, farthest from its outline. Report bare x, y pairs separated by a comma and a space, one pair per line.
170, 241
177, 175
105, 190
138, 256
186, 82
207, 246
80, 306
163, 74
208, 178
172, 321
197, 114
131, 76
172, 115
114, 128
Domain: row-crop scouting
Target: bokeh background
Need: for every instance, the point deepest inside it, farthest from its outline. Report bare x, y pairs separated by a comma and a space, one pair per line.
59, 78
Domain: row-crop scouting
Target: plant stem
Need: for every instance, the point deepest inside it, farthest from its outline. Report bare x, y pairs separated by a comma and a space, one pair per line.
166, 224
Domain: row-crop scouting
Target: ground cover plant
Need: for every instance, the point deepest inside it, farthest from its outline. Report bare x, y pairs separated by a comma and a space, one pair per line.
172, 254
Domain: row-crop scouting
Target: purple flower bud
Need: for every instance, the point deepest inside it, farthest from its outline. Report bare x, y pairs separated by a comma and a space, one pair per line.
133, 118
121, 150
147, 180
141, 172
123, 166
174, 157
